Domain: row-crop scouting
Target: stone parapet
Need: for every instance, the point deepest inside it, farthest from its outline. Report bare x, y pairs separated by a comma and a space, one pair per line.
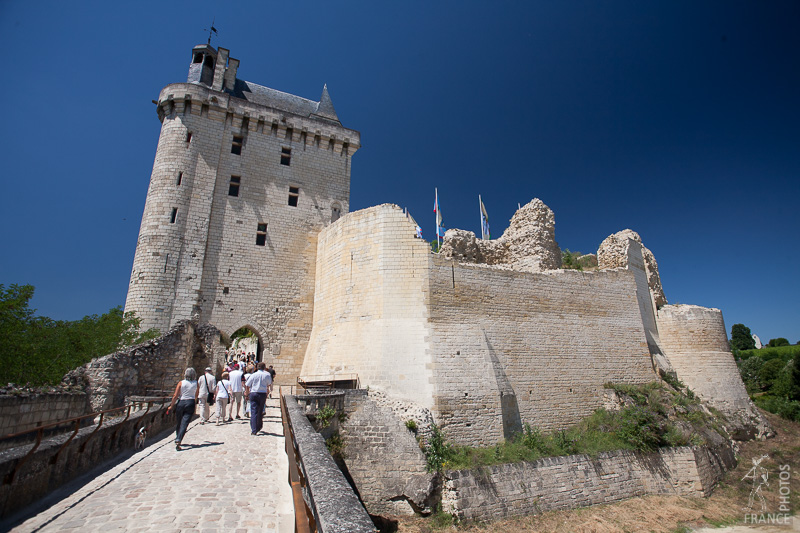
336, 507
50, 467
220, 105
24, 410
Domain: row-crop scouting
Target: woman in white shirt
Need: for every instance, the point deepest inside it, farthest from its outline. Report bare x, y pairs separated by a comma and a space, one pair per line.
186, 396
221, 395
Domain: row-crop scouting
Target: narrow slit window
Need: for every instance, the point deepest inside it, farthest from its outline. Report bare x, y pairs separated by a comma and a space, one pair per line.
294, 194
174, 216
261, 235
180, 178
236, 147
286, 156
233, 188
188, 137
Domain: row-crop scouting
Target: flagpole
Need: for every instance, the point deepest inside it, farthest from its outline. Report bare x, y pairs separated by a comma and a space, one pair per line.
436, 219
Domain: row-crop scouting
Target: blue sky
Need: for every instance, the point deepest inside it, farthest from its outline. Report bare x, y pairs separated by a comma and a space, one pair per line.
679, 120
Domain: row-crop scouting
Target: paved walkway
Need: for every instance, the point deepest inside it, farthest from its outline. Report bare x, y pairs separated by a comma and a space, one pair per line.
223, 479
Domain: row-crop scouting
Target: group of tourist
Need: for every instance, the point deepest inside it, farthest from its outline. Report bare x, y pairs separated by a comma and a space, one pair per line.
251, 383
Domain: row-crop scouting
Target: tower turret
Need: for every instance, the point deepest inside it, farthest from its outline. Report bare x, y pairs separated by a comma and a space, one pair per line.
201, 70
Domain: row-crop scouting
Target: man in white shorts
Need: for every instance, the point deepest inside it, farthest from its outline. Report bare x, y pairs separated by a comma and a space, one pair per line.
236, 390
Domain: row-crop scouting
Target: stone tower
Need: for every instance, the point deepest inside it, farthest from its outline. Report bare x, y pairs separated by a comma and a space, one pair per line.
244, 179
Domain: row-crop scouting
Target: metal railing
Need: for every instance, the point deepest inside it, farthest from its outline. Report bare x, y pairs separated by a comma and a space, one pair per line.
40, 430
303, 515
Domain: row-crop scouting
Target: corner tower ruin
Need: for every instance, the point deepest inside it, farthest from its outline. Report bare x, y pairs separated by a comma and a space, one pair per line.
244, 179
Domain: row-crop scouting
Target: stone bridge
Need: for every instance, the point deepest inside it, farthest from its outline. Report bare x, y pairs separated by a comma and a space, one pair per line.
223, 478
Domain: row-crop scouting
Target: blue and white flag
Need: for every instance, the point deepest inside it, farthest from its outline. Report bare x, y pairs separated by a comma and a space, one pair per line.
484, 220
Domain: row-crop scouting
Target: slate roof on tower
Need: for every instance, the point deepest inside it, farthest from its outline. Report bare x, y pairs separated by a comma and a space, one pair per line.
258, 94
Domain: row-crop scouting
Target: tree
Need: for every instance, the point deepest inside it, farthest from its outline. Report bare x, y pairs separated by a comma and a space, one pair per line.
780, 341
741, 338
41, 350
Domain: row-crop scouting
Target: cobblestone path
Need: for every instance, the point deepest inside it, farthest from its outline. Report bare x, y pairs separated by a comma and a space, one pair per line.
223, 479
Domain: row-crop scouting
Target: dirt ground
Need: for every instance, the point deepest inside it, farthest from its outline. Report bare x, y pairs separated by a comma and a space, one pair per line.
667, 514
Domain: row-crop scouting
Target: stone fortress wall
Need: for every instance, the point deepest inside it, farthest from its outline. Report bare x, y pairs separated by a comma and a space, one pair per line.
242, 227
490, 347
198, 255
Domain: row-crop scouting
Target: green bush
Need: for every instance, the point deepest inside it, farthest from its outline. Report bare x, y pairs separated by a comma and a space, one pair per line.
783, 407
411, 425
437, 450
780, 341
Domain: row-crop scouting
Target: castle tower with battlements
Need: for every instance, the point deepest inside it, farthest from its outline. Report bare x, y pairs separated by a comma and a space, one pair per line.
244, 179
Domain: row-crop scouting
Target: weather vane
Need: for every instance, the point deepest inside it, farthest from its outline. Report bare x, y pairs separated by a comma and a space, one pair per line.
212, 31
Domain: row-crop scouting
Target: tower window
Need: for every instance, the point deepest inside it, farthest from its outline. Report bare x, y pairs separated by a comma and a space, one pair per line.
174, 216
198, 58
261, 234
180, 178
336, 212
286, 156
233, 188
188, 137
236, 147
294, 194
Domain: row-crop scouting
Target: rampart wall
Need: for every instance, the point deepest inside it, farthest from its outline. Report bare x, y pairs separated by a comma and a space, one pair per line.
514, 347
491, 348
370, 309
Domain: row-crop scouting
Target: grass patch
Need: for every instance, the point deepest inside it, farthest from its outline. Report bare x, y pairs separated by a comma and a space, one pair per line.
653, 416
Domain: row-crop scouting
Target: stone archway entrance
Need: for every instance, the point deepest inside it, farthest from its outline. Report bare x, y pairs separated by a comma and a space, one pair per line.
247, 340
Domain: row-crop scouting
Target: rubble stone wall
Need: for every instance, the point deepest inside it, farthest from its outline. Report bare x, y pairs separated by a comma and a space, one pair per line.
552, 483
153, 368
384, 460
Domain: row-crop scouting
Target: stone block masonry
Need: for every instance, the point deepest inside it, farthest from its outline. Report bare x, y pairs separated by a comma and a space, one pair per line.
22, 411
517, 347
486, 349
695, 341
243, 180
574, 481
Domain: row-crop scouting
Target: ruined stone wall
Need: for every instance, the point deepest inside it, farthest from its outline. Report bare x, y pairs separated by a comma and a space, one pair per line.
154, 367
207, 264
515, 347
370, 313
552, 483
695, 341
